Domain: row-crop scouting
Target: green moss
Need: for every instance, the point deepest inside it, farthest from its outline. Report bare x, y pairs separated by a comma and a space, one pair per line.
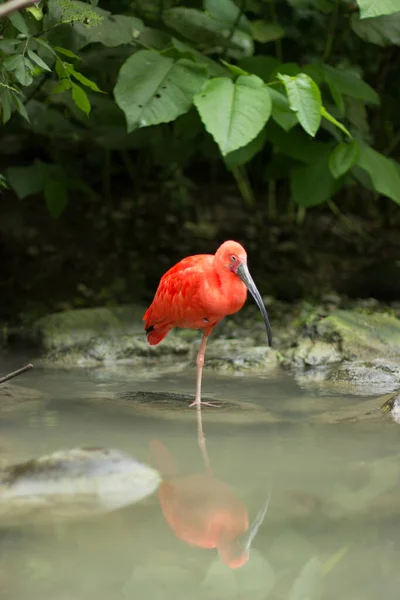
362, 336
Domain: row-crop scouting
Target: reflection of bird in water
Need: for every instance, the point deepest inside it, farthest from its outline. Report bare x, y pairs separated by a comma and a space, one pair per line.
197, 293
204, 511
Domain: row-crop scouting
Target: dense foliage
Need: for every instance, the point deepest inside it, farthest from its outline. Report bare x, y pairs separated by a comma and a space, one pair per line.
265, 78
136, 121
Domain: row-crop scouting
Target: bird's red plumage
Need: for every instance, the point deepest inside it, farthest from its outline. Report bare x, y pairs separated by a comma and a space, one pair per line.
195, 294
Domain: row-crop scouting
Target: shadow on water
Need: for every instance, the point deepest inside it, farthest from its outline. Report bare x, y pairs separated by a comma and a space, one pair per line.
330, 530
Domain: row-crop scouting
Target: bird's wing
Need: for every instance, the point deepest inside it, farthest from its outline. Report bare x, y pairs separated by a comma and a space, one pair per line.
177, 290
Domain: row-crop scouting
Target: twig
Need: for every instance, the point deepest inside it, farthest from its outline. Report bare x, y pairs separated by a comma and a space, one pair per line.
15, 373
13, 5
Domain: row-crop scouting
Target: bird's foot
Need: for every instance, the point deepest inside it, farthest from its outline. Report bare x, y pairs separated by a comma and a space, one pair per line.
195, 403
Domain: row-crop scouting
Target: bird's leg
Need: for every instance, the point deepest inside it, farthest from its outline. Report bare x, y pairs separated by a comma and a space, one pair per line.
200, 363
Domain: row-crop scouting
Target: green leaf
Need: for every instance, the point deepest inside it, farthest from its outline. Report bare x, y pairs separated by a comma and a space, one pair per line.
44, 44
234, 113
296, 143
33, 56
305, 99
3, 183
246, 153
382, 31
263, 31
8, 44
384, 172
20, 107
343, 158
26, 181
375, 8
23, 73
12, 62
154, 89
337, 97
349, 84
56, 196
202, 29
63, 69
36, 12
234, 69
85, 81
291, 69
227, 12
61, 86
5, 99
19, 23
313, 184
66, 52
281, 111
80, 98
334, 121
214, 68
260, 65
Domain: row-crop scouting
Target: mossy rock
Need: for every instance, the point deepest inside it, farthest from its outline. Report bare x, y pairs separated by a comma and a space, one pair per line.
309, 353
64, 329
361, 336
132, 349
240, 356
356, 378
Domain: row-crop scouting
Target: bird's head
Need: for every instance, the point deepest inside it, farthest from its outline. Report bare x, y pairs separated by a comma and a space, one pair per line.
232, 256
233, 555
236, 552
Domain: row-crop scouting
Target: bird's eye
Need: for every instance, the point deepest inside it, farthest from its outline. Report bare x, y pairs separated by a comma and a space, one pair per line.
233, 257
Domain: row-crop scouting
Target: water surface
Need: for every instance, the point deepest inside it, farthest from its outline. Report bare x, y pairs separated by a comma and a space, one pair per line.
332, 522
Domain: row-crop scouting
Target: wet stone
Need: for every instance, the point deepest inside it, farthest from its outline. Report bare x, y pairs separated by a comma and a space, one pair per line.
240, 356
70, 484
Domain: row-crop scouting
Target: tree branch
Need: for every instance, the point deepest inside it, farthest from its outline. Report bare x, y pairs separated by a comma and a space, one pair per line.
12, 5
15, 373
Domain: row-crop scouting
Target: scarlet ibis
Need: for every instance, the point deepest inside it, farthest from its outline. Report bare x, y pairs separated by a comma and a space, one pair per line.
197, 293
204, 511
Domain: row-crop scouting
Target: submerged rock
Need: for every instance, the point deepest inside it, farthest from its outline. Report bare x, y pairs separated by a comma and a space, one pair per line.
73, 484
15, 398
164, 405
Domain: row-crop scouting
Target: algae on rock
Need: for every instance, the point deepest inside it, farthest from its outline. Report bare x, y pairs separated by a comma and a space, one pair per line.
361, 336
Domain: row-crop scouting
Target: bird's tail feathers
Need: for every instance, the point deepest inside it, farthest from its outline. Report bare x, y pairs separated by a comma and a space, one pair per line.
156, 334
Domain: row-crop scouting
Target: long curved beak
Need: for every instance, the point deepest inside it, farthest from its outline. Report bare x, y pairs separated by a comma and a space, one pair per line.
247, 540
244, 274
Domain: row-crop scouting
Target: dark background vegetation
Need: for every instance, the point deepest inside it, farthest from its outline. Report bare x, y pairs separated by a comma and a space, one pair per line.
121, 208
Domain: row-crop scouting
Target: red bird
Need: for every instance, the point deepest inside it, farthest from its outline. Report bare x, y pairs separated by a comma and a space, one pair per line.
204, 511
197, 293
